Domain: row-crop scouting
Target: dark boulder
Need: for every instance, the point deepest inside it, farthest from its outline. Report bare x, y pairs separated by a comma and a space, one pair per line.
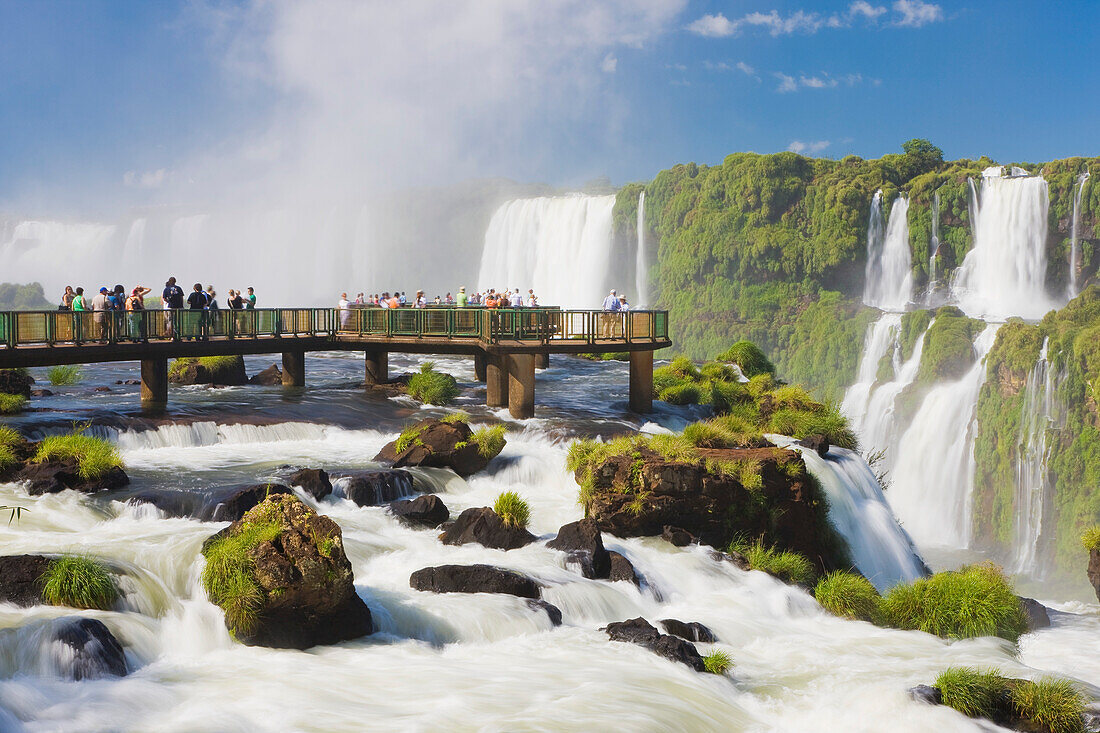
93, 651
1094, 571
15, 381
678, 650
217, 504
375, 488
227, 373
677, 536
1036, 613
634, 631
551, 610
641, 632
437, 444
56, 475
583, 545
20, 579
41, 393
102, 388
485, 527
313, 481
692, 631
269, 377
423, 511
473, 579
302, 579
817, 443
926, 694
622, 569
732, 557
235, 503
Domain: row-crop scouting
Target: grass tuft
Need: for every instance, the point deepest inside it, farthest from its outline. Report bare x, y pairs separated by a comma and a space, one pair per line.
9, 439
79, 582
409, 436
1091, 538
432, 387
11, 404
490, 440
454, 418
510, 507
94, 456
228, 577
749, 357
849, 596
64, 375
783, 564
1055, 705
681, 394
973, 693
709, 435
717, 662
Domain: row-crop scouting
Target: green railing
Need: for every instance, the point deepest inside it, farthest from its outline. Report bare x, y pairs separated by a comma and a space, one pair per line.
543, 325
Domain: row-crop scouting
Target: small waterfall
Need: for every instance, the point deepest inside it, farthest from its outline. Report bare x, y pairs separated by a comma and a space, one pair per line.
882, 335
880, 548
933, 476
1039, 414
1071, 288
1004, 274
933, 249
641, 272
560, 246
889, 281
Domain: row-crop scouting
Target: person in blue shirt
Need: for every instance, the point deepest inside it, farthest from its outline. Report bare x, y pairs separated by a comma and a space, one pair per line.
608, 321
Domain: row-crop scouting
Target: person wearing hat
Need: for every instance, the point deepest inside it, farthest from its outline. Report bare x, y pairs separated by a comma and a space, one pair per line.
610, 307
462, 299
100, 306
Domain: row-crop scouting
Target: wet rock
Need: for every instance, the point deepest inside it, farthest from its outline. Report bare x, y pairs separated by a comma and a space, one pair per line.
622, 569
235, 503
423, 511
438, 444
313, 481
19, 579
302, 576
485, 527
224, 373
733, 557
269, 377
15, 381
583, 545
56, 475
926, 694
551, 610
41, 393
1094, 571
102, 389
692, 631
93, 651
641, 632
1036, 613
677, 536
128, 381
473, 579
817, 443
217, 504
375, 488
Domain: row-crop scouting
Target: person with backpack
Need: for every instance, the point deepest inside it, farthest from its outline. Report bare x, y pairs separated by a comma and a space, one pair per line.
135, 307
171, 298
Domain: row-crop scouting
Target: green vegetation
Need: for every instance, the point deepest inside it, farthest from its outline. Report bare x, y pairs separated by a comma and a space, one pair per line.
849, 595
749, 357
976, 600
79, 582
214, 364
409, 437
510, 507
432, 387
783, 564
11, 404
94, 456
229, 576
454, 418
973, 693
64, 375
606, 356
1049, 704
1053, 704
948, 346
29, 297
717, 662
10, 439
1091, 538
490, 440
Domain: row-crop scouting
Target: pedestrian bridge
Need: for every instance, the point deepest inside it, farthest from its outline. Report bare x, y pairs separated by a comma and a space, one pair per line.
507, 345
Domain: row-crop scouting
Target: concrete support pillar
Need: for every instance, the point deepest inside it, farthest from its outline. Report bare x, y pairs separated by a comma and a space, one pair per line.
154, 381
294, 368
521, 385
496, 380
542, 361
641, 381
377, 367
479, 366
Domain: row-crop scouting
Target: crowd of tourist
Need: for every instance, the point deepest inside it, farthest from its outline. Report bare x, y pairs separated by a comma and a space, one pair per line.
490, 299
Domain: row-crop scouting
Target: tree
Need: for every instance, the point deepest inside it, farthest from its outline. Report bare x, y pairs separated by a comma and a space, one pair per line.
921, 156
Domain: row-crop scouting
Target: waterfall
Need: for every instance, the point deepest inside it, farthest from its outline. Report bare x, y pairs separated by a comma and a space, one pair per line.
934, 471
933, 248
880, 548
889, 280
641, 272
1004, 274
1071, 288
882, 335
1039, 413
560, 246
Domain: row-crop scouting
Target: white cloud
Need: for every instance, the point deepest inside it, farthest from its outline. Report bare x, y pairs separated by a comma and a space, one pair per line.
713, 26
676, 67
916, 13
808, 148
609, 64
742, 66
786, 83
865, 9
148, 179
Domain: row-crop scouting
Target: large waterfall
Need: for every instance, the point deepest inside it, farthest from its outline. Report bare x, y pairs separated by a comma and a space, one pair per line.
889, 281
560, 246
1004, 274
641, 269
1071, 287
882, 336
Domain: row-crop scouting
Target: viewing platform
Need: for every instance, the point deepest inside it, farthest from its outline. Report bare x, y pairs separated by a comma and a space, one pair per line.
507, 345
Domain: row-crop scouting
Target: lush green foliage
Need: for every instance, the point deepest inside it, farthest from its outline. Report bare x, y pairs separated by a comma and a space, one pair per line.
948, 346
79, 582
229, 575
490, 440
973, 693
94, 456
1091, 538
749, 357
717, 662
973, 601
1049, 704
849, 595
681, 394
432, 387
454, 418
216, 364
11, 403
64, 375
409, 436
511, 507
1053, 704
783, 564
29, 297
9, 440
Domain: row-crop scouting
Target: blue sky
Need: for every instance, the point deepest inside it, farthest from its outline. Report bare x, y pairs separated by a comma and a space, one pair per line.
114, 104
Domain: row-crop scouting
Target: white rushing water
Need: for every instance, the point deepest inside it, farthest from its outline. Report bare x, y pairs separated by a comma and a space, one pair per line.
933, 249
1004, 274
889, 280
558, 245
881, 338
641, 268
933, 472
1071, 287
1033, 500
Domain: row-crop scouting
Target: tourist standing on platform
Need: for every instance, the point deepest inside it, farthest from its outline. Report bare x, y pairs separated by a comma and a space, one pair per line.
171, 298
67, 299
250, 301
196, 304
462, 299
100, 306
135, 306
607, 320
450, 300
532, 301
344, 310
517, 299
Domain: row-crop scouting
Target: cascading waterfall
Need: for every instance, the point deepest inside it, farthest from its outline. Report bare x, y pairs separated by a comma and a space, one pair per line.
933, 249
1004, 274
933, 474
1071, 288
889, 281
1040, 412
641, 271
882, 335
560, 246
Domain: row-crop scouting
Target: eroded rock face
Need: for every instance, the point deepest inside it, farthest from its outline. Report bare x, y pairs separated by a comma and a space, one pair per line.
485, 527
474, 579
692, 631
19, 579
440, 445
375, 488
423, 511
641, 632
269, 377
304, 579
53, 476
1094, 571
14, 381
583, 545
622, 569
191, 371
1036, 613
92, 650
314, 481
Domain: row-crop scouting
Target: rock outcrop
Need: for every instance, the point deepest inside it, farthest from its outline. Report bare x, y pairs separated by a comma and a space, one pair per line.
1036, 613
485, 527
282, 577
92, 650
423, 511
20, 579
474, 579
622, 569
1094, 571
437, 444
641, 632
270, 377
313, 481
56, 475
692, 631
15, 381
375, 488
224, 371
583, 545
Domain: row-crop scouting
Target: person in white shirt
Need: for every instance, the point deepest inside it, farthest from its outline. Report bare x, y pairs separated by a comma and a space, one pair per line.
517, 299
344, 310
100, 305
